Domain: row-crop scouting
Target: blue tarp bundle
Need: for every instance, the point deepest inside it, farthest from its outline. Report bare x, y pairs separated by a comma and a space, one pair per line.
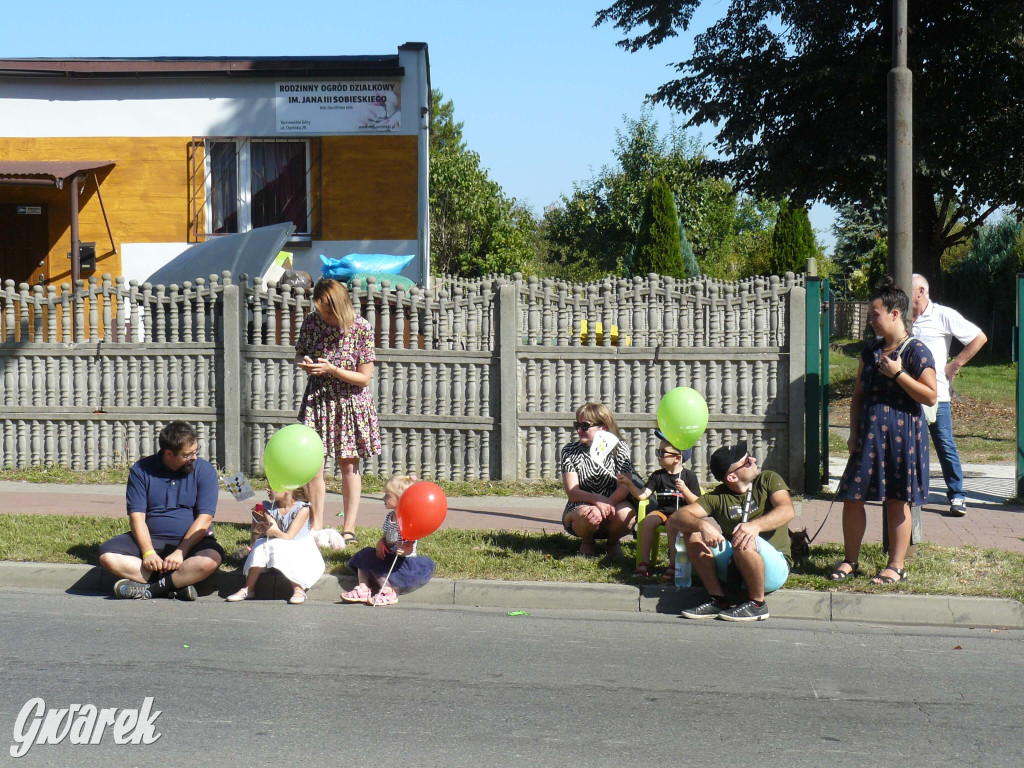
347, 267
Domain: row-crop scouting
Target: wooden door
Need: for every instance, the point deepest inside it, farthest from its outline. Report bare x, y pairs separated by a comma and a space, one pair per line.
24, 242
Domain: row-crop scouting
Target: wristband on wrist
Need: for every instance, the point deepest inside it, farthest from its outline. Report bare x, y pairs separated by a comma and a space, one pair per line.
897, 374
147, 553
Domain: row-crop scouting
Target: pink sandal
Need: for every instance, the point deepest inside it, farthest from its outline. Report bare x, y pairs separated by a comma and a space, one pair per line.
360, 594
386, 596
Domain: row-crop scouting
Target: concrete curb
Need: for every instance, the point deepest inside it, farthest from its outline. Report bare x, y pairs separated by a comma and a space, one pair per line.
934, 610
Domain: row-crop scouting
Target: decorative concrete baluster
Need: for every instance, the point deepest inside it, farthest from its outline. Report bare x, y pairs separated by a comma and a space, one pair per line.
401, 464
35, 444
743, 405
444, 465
258, 385
640, 330
24, 313
7, 318
774, 406
473, 394
23, 458
10, 447
728, 397
776, 323
429, 340
49, 444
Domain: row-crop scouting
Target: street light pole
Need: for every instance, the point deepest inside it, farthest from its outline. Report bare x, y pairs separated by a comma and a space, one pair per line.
901, 155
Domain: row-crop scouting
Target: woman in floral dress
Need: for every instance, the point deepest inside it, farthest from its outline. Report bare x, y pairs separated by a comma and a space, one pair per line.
888, 435
336, 349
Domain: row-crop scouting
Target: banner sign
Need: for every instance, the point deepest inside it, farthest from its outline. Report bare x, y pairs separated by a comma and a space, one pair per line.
338, 106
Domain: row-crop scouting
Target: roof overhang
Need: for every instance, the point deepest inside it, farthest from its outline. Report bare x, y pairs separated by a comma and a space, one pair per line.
46, 173
258, 67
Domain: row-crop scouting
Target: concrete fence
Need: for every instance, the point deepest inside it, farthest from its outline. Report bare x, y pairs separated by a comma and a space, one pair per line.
476, 379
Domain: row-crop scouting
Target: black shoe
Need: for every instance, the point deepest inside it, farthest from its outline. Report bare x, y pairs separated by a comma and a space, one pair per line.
183, 593
748, 611
958, 507
707, 610
126, 589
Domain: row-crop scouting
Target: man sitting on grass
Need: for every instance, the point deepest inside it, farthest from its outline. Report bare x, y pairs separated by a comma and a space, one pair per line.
743, 523
172, 498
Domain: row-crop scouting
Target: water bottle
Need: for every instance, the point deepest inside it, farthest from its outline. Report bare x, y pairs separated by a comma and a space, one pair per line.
682, 563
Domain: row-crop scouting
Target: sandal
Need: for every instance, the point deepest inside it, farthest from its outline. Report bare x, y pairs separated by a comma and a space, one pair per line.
643, 571
348, 538
386, 596
669, 574
239, 596
298, 597
838, 575
901, 575
361, 594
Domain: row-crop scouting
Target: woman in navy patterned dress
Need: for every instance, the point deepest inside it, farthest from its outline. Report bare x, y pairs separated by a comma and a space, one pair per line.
597, 503
335, 347
888, 434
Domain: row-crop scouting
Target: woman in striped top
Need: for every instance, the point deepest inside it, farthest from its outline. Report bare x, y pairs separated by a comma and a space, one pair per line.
598, 505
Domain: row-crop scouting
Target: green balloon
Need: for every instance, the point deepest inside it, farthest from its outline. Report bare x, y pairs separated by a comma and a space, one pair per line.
293, 457
682, 416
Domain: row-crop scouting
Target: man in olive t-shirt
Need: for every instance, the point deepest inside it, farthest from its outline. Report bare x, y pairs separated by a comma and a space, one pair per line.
744, 520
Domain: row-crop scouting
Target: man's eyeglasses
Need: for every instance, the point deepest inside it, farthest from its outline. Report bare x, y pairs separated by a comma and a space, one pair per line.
189, 456
582, 426
666, 454
745, 463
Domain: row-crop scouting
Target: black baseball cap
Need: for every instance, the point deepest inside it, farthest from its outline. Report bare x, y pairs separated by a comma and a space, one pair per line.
725, 457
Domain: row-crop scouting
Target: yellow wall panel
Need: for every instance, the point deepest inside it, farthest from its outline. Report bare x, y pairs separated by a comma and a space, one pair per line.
370, 188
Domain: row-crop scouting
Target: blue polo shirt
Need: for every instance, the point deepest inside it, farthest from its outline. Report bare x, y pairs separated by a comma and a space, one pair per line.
171, 500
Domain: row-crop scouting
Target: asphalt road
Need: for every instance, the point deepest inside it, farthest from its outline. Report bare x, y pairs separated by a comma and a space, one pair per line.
323, 684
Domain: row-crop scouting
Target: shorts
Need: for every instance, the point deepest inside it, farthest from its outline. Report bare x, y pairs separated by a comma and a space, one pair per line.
602, 533
776, 569
661, 514
124, 544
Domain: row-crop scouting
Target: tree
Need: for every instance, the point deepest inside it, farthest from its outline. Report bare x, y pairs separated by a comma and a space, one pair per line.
657, 247
797, 90
593, 232
792, 240
690, 267
983, 285
474, 228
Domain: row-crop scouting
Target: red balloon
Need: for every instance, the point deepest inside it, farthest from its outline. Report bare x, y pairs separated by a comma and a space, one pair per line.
421, 510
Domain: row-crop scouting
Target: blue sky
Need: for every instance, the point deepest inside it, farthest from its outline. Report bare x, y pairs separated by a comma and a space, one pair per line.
540, 90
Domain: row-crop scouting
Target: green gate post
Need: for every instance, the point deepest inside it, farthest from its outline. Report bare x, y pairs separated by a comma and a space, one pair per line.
812, 388
1018, 355
826, 341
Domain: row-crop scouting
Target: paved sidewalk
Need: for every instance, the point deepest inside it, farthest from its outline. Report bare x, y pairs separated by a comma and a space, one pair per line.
990, 522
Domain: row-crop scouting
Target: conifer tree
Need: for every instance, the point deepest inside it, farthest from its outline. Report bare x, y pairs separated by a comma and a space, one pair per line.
658, 248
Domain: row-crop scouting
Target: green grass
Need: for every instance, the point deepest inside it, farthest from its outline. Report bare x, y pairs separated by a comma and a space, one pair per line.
984, 413
519, 556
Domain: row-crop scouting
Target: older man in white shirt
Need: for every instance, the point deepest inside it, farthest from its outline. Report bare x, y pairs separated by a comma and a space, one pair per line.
937, 326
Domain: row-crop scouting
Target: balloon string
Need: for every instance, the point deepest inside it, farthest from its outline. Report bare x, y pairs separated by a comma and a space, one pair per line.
392, 568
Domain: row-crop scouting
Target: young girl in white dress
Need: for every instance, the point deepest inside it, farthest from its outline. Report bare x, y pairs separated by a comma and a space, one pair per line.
287, 544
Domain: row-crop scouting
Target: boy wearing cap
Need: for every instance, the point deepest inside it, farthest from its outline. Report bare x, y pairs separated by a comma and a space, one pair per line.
742, 522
